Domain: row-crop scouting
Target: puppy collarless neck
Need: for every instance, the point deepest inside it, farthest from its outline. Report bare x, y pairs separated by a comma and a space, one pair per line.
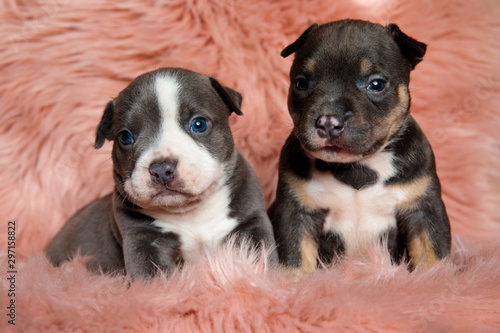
355, 175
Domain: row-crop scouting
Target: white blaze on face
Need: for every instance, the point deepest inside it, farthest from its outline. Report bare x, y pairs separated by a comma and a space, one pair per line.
198, 174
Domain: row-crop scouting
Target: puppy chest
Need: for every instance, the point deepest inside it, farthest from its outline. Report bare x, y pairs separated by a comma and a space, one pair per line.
201, 229
360, 217
198, 237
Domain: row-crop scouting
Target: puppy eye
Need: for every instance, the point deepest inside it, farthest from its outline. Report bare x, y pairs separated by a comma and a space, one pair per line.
301, 84
376, 85
125, 137
199, 125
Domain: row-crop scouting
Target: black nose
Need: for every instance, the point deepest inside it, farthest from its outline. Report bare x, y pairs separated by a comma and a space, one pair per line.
329, 127
163, 172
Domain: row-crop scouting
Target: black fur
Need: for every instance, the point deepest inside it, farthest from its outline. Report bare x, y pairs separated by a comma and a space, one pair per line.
233, 103
331, 246
105, 126
353, 174
334, 66
292, 48
413, 50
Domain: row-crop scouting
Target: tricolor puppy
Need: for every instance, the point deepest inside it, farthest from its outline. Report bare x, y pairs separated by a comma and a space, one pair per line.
356, 168
182, 186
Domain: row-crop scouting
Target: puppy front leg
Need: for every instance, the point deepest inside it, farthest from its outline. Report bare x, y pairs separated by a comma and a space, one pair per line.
427, 234
298, 249
147, 251
297, 233
259, 232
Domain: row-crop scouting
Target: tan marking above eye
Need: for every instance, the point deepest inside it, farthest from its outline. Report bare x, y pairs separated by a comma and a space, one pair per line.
365, 66
309, 65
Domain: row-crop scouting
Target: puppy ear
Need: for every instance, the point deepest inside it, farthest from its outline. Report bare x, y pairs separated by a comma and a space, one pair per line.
412, 49
230, 97
104, 129
292, 48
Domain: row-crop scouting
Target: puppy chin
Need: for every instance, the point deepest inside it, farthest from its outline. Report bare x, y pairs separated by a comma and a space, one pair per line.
173, 203
335, 154
330, 152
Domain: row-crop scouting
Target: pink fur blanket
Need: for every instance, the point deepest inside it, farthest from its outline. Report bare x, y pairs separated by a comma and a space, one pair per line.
62, 60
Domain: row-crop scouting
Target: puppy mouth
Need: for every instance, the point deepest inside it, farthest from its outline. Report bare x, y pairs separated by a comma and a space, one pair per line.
331, 152
167, 191
334, 149
318, 145
178, 201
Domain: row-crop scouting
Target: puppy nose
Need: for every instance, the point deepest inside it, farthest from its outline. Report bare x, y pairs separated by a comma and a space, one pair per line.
163, 172
329, 127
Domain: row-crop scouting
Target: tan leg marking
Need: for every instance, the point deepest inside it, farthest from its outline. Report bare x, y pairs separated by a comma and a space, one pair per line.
421, 252
309, 254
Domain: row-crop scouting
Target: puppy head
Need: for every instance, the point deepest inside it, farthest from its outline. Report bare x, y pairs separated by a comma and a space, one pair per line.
349, 87
171, 138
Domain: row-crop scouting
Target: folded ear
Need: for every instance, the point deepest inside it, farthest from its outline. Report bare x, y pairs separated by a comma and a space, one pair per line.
230, 97
412, 49
295, 46
104, 129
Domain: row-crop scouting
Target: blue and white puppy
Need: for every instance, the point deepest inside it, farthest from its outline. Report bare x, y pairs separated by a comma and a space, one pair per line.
182, 186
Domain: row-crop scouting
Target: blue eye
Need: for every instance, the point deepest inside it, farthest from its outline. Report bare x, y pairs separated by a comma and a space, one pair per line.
199, 125
376, 85
125, 137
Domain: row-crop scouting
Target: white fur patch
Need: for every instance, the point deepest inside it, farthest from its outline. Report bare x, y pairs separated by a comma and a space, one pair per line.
201, 229
358, 216
197, 170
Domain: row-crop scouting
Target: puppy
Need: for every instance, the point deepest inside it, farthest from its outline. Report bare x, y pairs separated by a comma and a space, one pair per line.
182, 186
356, 168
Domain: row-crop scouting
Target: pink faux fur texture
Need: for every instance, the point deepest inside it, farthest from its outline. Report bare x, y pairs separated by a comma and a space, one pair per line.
62, 60
229, 292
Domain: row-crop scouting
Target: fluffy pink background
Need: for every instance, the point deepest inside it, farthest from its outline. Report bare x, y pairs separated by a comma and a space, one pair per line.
62, 60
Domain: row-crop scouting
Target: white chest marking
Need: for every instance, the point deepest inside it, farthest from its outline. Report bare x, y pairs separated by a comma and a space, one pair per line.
201, 229
358, 216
